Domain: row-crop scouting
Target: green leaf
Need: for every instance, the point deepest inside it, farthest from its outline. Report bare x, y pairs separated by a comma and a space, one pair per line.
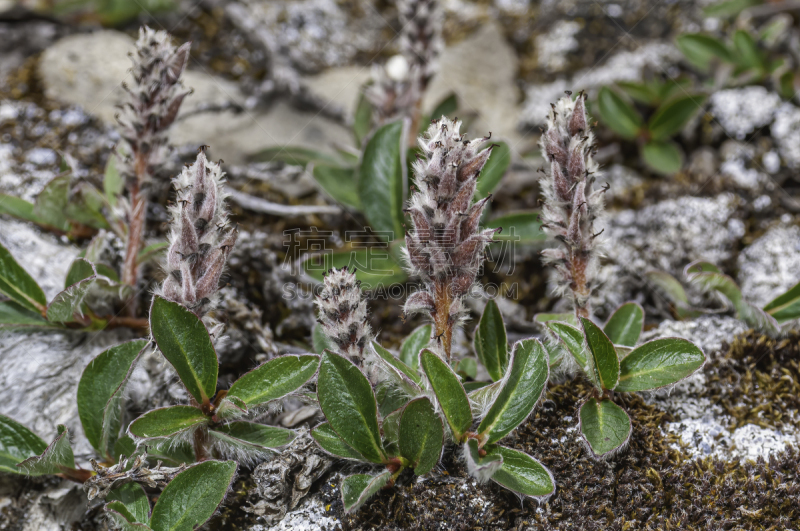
569, 318
193, 496
348, 403
123, 518
421, 435
381, 179
390, 426
359, 488
294, 156
397, 366
134, 499
151, 252
672, 116
747, 52
675, 293
125, 446
572, 339
362, 121
493, 170
113, 184
86, 205
641, 92
467, 368
18, 208
446, 107
481, 468
274, 379
13, 316
604, 425
66, 306
625, 325
603, 358
786, 86
166, 422
520, 227
375, 266
729, 8
51, 204
522, 473
252, 436
100, 394
18, 285
175, 452
54, 459
416, 341
665, 158
491, 342
329, 441
617, 114
319, 340
17, 443
482, 397
522, 388
449, 393
701, 50
785, 307
184, 341
339, 183
659, 363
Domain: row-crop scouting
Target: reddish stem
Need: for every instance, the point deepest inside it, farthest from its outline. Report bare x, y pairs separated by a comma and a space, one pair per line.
442, 323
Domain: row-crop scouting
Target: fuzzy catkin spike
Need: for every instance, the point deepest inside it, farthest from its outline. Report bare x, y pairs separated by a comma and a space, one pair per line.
445, 248
399, 93
200, 237
570, 204
153, 102
343, 314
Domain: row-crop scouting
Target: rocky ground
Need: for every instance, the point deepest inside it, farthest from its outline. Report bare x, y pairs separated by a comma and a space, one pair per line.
719, 451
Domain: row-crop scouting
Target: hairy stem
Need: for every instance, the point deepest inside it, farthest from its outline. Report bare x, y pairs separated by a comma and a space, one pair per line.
442, 321
201, 445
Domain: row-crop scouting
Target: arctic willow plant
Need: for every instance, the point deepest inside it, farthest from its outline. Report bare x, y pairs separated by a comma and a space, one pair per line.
609, 357
152, 105
445, 247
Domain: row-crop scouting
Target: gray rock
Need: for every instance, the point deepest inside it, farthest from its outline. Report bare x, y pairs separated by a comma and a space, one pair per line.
768, 267
665, 236
40, 504
786, 132
737, 166
624, 66
40, 254
552, 47
743, 111
39, 380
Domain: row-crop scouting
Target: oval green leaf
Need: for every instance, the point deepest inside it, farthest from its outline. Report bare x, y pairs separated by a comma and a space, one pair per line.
494, 169
491, 341
134, 499
673, 116
348, 403
54, 459
17, 443
665, 158
190, 499
14, 316
184, 341
617, 114
245, 435
381, 179
400, 368
339, 183
449, 393
18, 285
359, 488
659, 363
572, 339
785, 307
522, 473
416, 341
100, 394
518, 227
604, 425
375, 267
274, 379
330, 441
625, 325
521, 389
421, 435
603, 358
701, 50
166, 422
481, 468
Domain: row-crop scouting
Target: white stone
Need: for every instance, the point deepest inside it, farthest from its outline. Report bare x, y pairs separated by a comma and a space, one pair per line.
552, 47
786, 132
768, 267
742, 111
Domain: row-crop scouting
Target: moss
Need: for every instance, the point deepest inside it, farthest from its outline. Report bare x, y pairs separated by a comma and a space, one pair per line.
758, 381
